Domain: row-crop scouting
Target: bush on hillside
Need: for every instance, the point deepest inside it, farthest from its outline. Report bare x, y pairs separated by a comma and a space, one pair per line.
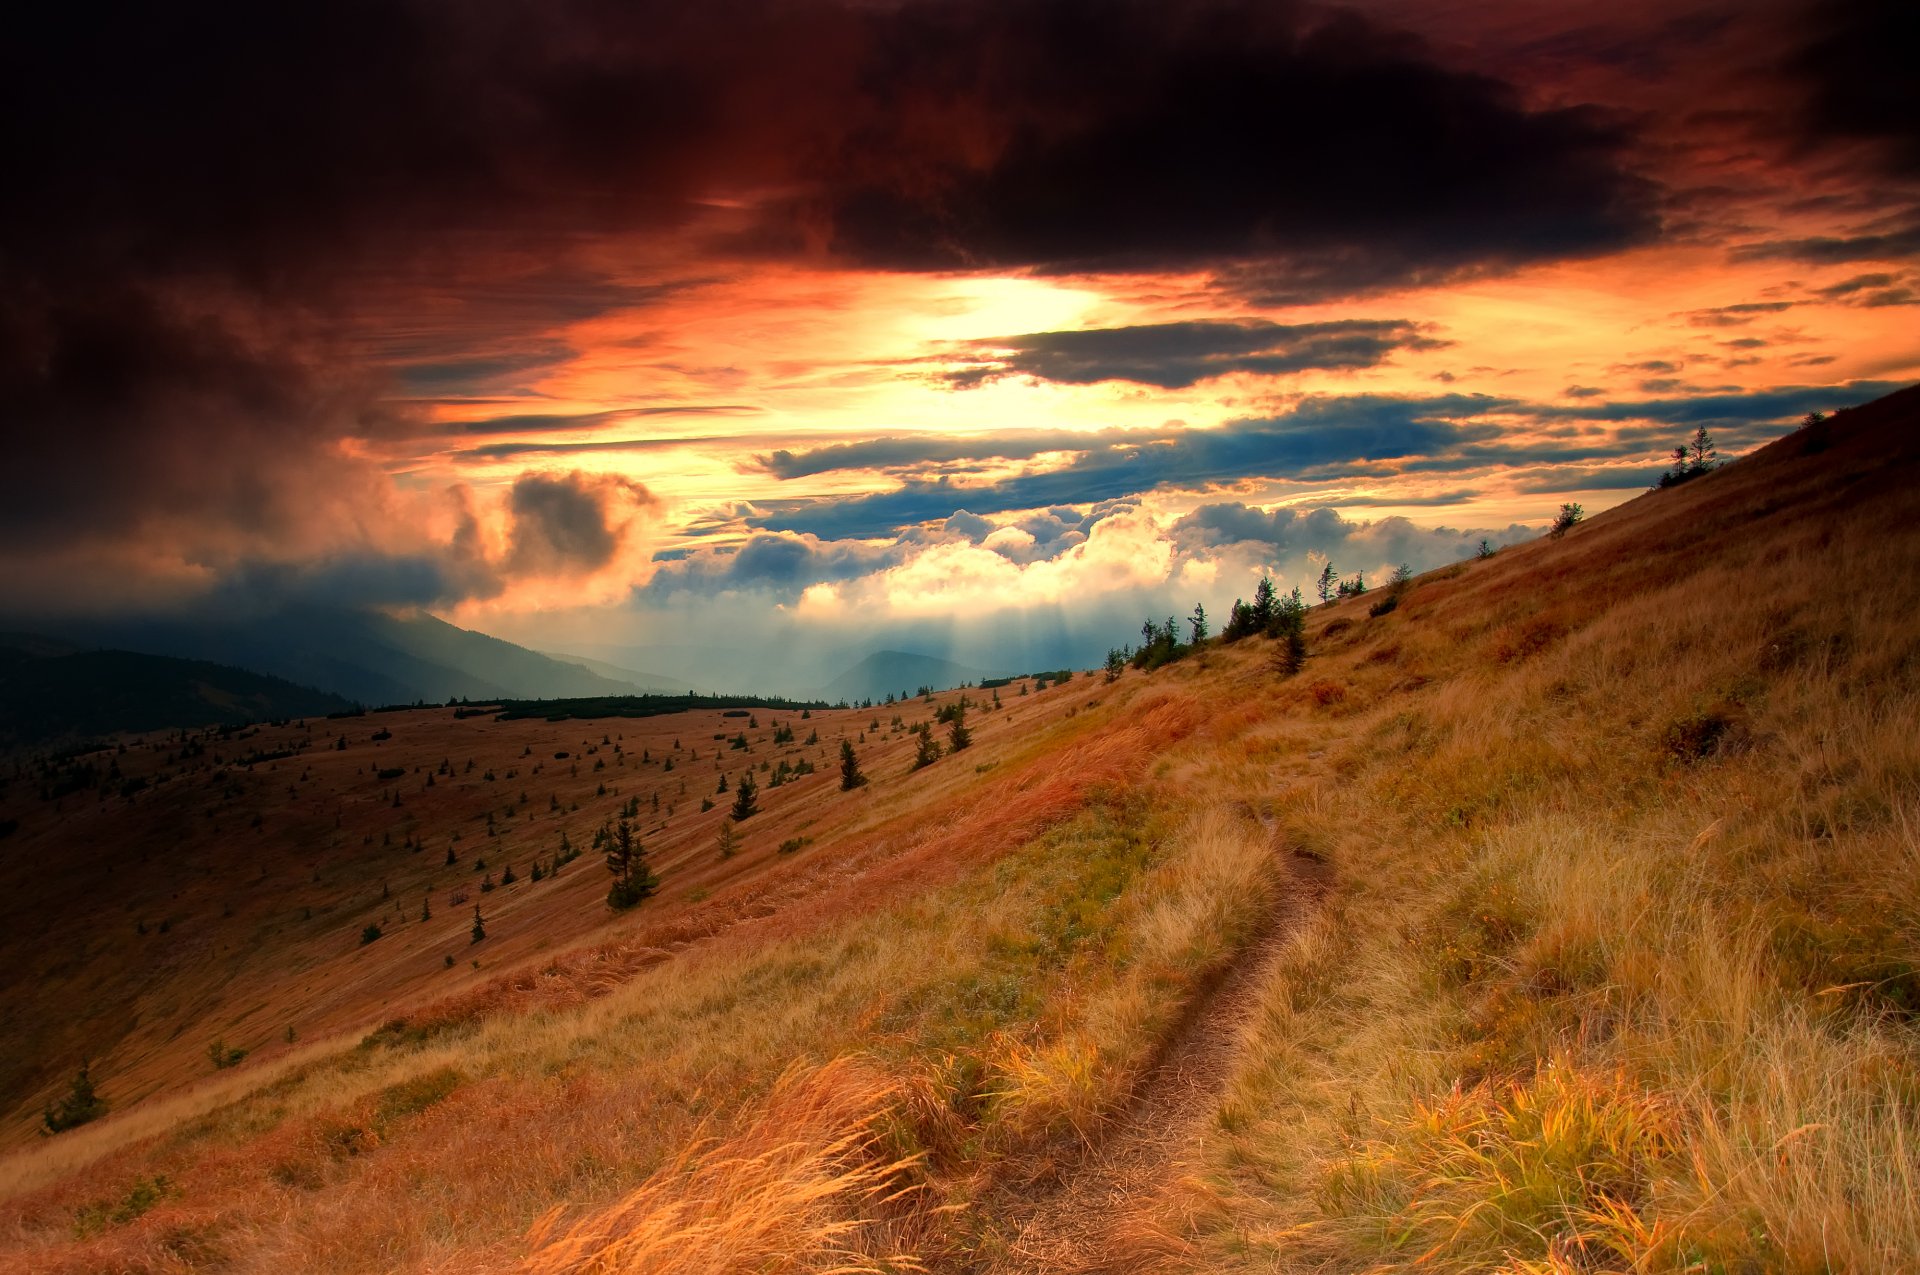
80, 1105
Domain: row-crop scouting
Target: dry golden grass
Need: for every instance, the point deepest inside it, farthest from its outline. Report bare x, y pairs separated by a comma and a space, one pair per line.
1004, 958
805, 1186
1622, 969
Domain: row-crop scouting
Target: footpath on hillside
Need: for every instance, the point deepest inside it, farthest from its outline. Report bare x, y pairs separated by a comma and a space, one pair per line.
1078, 1226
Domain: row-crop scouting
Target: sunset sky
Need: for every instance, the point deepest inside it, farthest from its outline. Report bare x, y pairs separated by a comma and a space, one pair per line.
777, 332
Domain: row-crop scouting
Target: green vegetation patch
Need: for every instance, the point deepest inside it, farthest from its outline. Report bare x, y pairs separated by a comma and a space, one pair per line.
91, 1219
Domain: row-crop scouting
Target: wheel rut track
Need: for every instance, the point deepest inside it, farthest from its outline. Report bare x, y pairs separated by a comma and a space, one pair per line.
1069, 1227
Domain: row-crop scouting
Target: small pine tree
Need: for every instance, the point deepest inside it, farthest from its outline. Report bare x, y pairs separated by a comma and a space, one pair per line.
627, 860
1197, 622
1328, 582
479, 928
745, 805
1816, 433
1486, 549
1564, 521
426, 908
958, 736
728, 841
927, 751
850, 776
79, 1106
1290, 626
507, 877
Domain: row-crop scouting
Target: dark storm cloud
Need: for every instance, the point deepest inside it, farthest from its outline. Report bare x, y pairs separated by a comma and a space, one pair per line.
1177, 355
539, 423
1847, 287
1316, 433
382, 580
1733, 316
1780, 403
915, 451
1858, 62
570, 523
505, 451
1827, 250
124, 410
1319, 438
783, 565
1143, 135
288, 144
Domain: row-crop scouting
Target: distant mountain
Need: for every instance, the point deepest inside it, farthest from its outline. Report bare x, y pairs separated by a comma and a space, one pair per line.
367, 656
715, 666
896, 672
50, 693
615, 673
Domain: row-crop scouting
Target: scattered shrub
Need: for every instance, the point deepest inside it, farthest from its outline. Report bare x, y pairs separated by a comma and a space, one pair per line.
80, 1105
140, 1197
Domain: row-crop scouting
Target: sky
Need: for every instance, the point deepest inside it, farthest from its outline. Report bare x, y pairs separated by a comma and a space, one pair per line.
749, 336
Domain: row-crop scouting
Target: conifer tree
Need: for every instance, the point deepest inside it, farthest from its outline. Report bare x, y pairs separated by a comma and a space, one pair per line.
927, 752
79, 1106
958, 736
479, 926
850, 776
627, 860
1265, 598
745, 805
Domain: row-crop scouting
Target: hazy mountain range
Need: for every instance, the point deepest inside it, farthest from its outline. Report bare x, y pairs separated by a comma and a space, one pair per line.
158, 674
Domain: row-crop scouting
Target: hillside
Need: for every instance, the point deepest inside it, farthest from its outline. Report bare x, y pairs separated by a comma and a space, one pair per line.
1563, 916
366, 656
48, 693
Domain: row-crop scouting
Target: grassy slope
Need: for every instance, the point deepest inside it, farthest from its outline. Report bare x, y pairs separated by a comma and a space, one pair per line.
1622, 968
88, 694
264, 875
1615, 969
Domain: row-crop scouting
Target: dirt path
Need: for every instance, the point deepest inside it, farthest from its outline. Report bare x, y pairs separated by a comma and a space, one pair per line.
1071, 1228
